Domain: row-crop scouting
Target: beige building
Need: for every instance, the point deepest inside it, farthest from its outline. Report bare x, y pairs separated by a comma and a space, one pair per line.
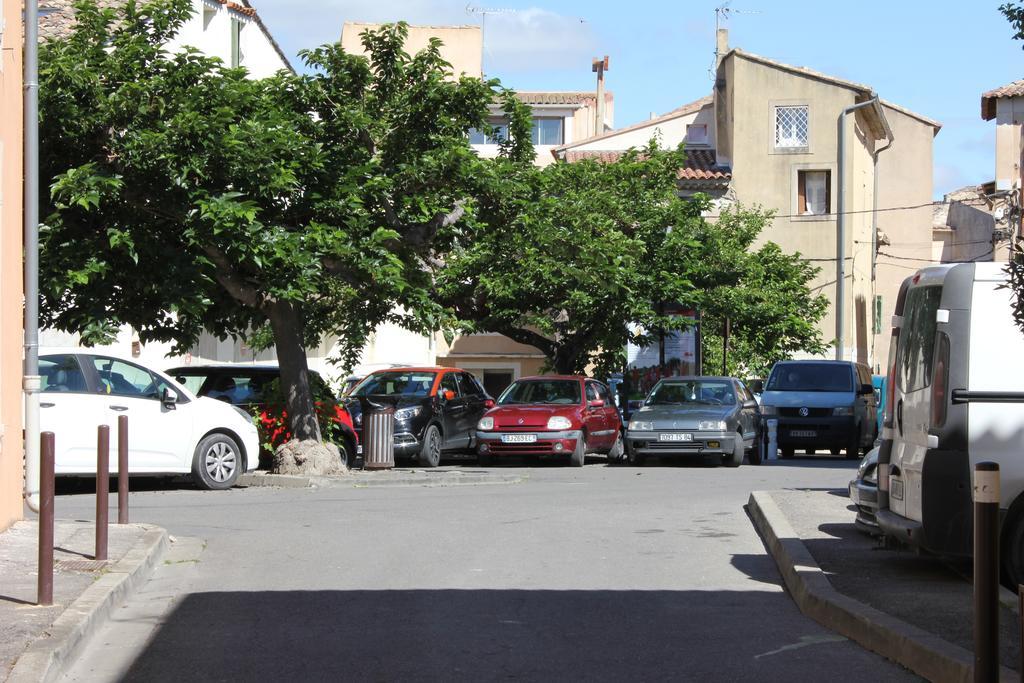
461, 46
768, 136
1005, 105
11, 290
964, 227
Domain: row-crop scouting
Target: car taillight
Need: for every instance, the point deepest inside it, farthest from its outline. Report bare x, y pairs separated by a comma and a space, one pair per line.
940, 381
890, 381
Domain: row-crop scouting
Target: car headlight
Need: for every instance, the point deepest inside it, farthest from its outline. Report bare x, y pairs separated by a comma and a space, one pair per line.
485, 424
403, 414
769, 411
559, 422
711, 425
843, 410
641, 426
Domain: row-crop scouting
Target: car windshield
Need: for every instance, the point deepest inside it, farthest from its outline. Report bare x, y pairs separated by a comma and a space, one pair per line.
396, 383
811, 377
703, 392
557, 391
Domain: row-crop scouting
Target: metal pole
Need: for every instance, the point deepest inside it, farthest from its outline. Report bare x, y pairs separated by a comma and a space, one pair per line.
44, 583
986, 572
30, 381
122, 469
841, 228
102, 490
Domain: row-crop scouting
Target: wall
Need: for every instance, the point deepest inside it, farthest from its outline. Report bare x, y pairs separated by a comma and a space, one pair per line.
1009, 117
746, 94
670, 130
461, 45
11, 291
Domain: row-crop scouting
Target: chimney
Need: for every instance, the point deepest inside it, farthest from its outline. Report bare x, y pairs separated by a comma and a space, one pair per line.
721, 44
599, 66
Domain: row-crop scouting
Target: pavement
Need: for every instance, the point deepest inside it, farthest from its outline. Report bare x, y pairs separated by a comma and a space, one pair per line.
911, 608
37, 642
395, 477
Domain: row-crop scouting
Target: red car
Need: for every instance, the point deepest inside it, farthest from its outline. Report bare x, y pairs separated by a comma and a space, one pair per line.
551, 415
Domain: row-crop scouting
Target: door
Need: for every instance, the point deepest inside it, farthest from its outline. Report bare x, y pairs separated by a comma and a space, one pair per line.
474, 396
69, 410
613, 421
749, 416
160, 439
453, 412
599, 432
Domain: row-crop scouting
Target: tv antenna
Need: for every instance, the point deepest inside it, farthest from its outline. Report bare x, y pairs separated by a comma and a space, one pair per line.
722, 14
483, 12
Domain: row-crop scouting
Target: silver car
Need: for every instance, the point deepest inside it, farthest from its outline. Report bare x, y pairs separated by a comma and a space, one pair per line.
704, 416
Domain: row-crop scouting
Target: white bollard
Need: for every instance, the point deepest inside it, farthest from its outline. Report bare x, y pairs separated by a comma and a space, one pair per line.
773, 443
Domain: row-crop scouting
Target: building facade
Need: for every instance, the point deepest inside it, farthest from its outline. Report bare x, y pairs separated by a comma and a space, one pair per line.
11, 287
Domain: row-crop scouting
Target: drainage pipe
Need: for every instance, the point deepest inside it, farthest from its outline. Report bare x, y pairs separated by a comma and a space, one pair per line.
30, 381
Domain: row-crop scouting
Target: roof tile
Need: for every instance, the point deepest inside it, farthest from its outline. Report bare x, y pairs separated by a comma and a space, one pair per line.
988, 99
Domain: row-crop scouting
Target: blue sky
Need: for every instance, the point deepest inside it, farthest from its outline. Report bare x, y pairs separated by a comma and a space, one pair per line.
935, 58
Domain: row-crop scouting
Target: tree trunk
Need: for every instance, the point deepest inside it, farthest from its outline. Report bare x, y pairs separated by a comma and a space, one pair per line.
291, 357
565, 360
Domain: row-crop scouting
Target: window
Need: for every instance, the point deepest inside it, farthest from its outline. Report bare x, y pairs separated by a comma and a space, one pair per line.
546, 131
61, 374
791, 127
497, 134
448, 383
917, 346
467, 385
697, 134
814, 193
119, 378
592, 392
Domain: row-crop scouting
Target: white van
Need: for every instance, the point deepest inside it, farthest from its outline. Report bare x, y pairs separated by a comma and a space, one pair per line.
956, 398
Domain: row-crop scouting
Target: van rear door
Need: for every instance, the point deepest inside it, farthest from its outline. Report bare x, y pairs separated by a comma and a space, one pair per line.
912, 409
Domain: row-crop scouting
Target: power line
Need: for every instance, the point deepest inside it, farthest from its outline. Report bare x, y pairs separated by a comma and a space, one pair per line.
924, 260
908, 207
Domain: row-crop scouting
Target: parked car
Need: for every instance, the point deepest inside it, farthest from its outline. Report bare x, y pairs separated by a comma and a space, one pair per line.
864, 494
956, 396
246, 386
551, 415
436, 409
170, 429
713, 416
821, 404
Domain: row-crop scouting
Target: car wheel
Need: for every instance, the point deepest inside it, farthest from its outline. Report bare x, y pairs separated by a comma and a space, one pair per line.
634, 458
736, 459
217, 462
1012, 550
430, 452
853, 449
755, 456
348, 453
484, 459
579, 454
615, 455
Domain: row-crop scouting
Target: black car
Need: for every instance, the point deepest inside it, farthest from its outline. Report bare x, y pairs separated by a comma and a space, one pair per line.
246, 387
436, 409
864, 494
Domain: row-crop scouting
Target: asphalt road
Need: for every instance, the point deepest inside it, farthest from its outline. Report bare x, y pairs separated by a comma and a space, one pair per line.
600, 573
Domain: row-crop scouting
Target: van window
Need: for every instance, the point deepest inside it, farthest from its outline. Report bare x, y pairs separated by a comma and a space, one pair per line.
917, 338
811, 377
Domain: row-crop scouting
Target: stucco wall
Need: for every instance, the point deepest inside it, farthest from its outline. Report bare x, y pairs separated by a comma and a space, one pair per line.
11, 291
768, 177
670, 132
461, 45
1009, 117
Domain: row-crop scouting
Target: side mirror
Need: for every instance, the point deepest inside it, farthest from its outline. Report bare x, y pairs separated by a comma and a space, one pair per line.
866, 389
596, 403
169, 398
448, 394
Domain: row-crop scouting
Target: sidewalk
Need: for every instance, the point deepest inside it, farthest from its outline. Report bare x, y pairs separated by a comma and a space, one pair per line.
397, 477
913, 609
36, 641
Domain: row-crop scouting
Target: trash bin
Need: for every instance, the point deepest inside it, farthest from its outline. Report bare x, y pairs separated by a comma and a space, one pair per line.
378, 436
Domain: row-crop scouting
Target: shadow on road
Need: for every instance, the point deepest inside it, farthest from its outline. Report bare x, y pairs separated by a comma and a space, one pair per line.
492, 634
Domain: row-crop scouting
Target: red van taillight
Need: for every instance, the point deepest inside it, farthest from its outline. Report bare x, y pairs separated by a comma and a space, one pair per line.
940, 381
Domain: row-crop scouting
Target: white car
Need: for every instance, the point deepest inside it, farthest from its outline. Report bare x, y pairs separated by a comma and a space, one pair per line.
170, 430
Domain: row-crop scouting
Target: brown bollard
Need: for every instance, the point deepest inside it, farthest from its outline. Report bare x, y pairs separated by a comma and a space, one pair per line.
122, 469
44, 587
986, 572
102, 490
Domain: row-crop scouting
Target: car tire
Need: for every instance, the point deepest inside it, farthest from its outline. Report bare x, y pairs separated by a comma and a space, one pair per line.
484, 459
634, 458
755, 456
1012, 550
579, 454
217, 462
736, 459
617, 453
430, 451
348, 453
787, 452
853, 448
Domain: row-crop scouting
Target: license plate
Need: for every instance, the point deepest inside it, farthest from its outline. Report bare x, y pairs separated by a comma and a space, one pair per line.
675, 437
518, 438
359, 449
896, 489
803, 433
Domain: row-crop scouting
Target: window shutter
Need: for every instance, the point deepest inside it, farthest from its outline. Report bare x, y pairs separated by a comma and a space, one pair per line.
828, 192
801, 192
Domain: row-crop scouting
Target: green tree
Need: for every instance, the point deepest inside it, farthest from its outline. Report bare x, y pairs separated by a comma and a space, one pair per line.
186, 196
1014, 13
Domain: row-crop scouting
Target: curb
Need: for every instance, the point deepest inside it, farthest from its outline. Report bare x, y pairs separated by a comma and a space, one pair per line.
47, 656
923, 653
373, 481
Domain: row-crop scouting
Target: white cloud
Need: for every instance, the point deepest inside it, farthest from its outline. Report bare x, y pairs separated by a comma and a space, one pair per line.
534, 38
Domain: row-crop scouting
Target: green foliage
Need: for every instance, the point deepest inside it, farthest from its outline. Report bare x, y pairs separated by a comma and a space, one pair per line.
1014, 13
186, 196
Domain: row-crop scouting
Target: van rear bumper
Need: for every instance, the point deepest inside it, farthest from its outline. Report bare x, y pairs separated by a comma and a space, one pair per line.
823, 432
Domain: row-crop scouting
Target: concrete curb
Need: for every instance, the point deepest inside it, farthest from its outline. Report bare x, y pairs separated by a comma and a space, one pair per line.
374, 480
923, 653
47, 656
